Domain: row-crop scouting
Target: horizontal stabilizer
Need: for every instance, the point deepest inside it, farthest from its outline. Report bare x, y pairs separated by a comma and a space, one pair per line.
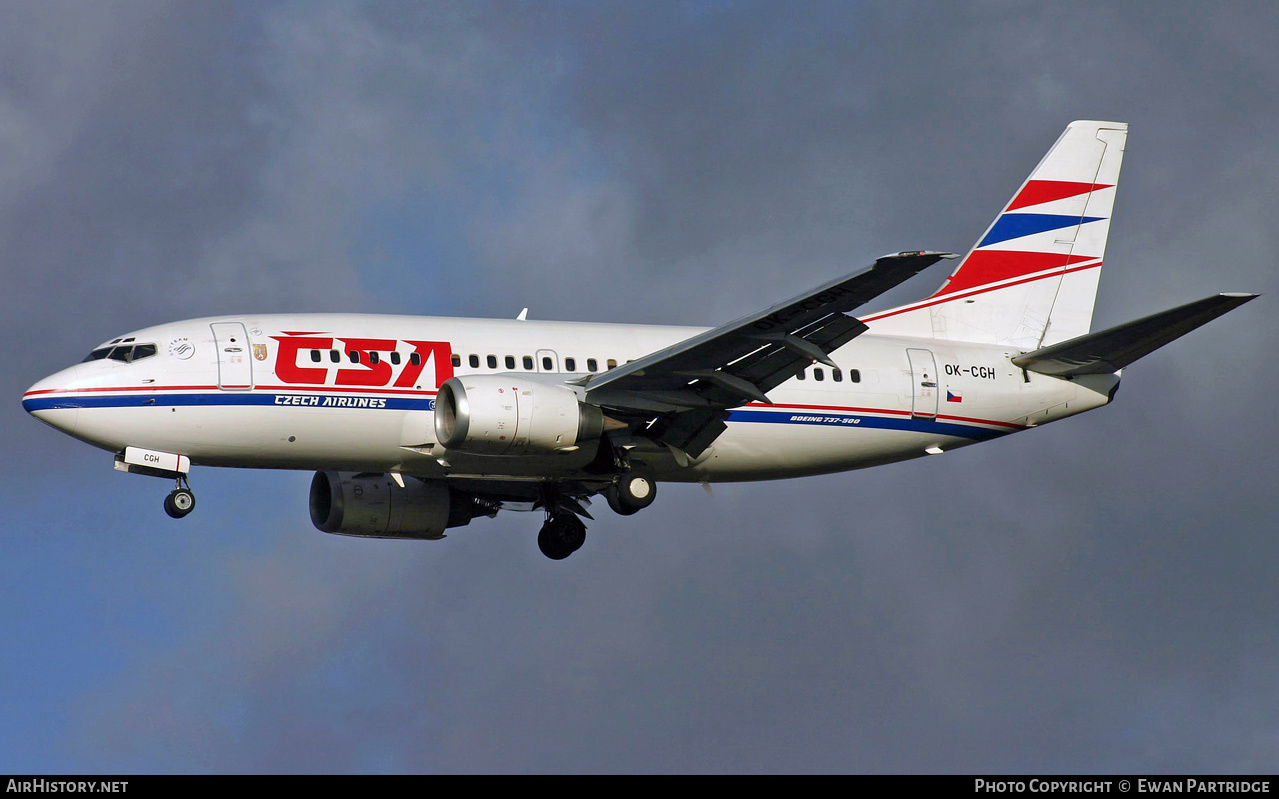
1110, 350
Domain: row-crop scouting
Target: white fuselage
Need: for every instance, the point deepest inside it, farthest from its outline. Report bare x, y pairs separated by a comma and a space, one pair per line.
282, 391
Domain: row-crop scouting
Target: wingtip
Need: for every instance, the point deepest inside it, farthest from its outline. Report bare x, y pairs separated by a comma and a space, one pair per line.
918, 253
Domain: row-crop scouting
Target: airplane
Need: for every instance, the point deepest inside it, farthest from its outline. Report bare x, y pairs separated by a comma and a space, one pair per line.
417, 425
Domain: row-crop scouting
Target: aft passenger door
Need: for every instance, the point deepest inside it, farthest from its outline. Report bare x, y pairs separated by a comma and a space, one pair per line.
923, 373
235, 363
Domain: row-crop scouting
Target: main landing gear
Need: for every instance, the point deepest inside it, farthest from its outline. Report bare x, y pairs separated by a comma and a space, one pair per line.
181, 500
564, 532
630, 493
562, 535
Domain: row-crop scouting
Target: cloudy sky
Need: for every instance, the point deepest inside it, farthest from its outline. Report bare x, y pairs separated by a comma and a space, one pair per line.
1096, 595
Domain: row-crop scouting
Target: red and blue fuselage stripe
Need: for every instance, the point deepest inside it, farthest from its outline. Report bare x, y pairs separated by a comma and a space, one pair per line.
824, 415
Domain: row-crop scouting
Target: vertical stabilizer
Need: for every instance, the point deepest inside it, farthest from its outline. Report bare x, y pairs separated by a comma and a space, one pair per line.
1031, 279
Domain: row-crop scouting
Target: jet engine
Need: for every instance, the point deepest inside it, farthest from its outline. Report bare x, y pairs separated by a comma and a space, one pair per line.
507, 415
374, 506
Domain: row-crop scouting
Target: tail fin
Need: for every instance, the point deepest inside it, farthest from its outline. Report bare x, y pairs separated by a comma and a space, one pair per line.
1031, 279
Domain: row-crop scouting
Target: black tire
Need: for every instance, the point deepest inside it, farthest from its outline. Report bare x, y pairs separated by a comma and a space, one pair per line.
179, 503
631, 493
561, 536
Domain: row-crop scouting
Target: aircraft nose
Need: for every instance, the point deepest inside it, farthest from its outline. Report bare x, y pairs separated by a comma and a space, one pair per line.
47, 401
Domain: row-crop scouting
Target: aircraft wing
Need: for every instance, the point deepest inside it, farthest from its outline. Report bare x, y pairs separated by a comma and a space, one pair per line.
1111, 350
688, 386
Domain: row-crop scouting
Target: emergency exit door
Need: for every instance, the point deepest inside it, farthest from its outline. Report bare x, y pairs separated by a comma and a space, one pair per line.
547, 361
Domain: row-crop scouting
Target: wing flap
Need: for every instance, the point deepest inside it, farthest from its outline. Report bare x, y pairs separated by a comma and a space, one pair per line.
1108, 351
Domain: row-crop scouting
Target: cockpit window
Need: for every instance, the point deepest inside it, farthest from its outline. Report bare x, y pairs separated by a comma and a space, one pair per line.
124, 354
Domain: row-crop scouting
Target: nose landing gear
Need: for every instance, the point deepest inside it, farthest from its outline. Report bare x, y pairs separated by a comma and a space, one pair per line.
181, 500
153, 463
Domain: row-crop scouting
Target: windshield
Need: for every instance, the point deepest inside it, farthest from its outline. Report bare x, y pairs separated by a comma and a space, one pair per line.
125, 353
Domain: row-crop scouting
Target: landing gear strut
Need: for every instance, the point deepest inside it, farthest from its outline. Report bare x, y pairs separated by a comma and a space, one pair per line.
561, 536
181, 500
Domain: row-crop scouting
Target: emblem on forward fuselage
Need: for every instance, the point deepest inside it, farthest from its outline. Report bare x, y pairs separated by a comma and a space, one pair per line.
181, 348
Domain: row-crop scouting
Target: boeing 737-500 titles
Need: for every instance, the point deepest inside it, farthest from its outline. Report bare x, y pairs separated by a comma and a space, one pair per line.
415, 425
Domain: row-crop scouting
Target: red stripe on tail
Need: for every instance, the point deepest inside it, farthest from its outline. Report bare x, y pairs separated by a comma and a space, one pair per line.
1045, 191
982, 267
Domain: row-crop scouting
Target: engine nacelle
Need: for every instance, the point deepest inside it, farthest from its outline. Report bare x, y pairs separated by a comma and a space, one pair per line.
507, 415
374, 506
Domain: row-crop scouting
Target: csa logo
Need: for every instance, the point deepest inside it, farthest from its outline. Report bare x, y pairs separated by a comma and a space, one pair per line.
370, 365
259, 352
181, 348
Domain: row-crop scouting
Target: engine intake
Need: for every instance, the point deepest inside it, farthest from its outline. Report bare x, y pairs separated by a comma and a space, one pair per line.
374, 506
506, 415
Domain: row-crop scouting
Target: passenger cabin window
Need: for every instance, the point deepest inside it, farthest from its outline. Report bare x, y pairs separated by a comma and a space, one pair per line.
395, 359
354, 356
612, 363
528, 362
818, 375
335, 356
854, 376
570, 364
510, 362
456, 359
547, 364
836, 375
801, 376
373, 357
592, 365
315, 356
474, 361
492, 361
415, 358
